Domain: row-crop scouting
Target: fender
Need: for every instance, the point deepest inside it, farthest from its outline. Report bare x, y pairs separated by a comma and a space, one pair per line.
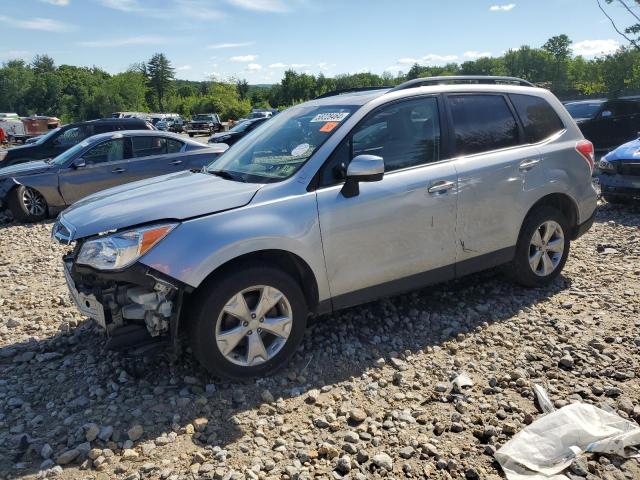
199, 246
46, 183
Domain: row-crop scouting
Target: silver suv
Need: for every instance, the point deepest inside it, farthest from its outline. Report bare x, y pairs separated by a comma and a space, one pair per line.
335, 202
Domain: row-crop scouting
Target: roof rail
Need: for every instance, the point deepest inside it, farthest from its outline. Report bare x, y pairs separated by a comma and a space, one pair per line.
482, 79
349, 90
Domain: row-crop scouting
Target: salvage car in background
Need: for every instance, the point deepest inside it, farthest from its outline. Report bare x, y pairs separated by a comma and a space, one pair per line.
60, 139
606, 123
238, 131
38, 189
204, 124
175, 125
620, 173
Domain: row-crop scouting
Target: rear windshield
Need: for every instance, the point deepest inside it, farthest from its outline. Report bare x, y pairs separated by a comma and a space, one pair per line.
583, 110
282, 145
201, 118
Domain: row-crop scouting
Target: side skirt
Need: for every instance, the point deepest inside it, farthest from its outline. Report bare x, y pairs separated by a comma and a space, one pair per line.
418, 281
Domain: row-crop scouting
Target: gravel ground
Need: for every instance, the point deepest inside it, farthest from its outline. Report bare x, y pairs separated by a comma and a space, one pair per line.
367, 396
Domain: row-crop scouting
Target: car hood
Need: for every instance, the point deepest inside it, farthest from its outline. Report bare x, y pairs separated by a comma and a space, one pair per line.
627, 151
177, 196
28, 168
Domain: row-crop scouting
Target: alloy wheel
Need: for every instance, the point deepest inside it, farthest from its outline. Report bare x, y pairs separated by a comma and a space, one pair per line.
33, 202
254, 325
546, 248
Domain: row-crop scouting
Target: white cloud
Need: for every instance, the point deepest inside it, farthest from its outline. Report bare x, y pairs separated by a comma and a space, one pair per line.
408, 61
192, 9
15, 54
299, 65
261, 5
502, 8
254, 67
474, 54
244, 58
278, 65
57, 3
590, 48
219, 46
433, 58
44, 24
121, 42
394, 69
183, 68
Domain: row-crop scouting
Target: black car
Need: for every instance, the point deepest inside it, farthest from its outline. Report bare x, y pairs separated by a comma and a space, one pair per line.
606, 123
238, 131
61, 139
204, 124
38, 189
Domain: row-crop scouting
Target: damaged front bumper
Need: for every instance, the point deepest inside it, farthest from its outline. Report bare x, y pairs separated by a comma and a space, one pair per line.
136, 296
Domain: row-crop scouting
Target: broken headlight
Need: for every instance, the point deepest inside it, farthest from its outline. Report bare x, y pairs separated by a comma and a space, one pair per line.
606, 166
120, 250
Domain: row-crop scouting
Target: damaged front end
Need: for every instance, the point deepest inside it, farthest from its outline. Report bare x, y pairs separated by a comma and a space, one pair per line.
134, 304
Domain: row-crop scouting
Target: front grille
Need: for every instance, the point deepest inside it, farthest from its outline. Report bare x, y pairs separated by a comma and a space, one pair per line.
629, 168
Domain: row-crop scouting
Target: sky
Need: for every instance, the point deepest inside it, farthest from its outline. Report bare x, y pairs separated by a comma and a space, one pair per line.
259, 39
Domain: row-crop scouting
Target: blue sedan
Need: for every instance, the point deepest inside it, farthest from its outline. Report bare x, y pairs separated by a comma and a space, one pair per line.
620, 173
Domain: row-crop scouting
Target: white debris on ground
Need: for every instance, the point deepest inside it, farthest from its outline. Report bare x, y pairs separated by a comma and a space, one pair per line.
369, 394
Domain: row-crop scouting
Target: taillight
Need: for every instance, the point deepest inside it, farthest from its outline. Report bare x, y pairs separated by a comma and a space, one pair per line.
585, 148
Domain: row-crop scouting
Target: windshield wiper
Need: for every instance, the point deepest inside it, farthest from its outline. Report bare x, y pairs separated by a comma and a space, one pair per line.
226, 175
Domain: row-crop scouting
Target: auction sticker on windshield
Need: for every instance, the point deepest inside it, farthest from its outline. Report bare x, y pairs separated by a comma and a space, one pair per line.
330, 117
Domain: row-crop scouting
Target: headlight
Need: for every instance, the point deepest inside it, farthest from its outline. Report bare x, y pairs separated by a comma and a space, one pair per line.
606, 166
120, 250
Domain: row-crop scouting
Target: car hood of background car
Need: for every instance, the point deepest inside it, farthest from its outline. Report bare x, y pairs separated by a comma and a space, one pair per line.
28, 168
628, 151
177, 196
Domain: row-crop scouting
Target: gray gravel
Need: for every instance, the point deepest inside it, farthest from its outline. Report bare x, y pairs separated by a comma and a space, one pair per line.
368, 395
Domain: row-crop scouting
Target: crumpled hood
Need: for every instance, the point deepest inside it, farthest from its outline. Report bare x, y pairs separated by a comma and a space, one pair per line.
627, 151
177, 196
28, 168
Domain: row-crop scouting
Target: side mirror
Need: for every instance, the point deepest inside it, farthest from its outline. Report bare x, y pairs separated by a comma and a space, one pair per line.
79, 163
606, 114
363, 168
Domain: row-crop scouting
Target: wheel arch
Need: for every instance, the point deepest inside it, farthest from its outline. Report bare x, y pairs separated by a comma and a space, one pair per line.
562, 202
285, 260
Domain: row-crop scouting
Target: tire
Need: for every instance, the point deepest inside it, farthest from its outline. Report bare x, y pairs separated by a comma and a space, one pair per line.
209, 323
27, 204
520, 270
614, 199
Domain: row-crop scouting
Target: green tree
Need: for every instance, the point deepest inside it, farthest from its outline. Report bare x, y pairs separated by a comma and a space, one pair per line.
630, 33
242, 87
160, 75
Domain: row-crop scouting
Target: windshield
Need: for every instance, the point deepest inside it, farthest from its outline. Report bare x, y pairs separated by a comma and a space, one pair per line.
201, 118
67, 154
44, 138
583, 110
278, 149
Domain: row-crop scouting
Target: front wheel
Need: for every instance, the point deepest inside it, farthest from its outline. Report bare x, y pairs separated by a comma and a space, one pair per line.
542, 249
248, 323
27, 204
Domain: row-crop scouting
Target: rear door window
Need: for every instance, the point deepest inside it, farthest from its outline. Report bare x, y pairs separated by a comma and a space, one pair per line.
482, 123
538, 118
72, 136
147, 146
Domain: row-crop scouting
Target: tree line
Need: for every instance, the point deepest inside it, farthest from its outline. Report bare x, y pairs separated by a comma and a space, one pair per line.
79, 93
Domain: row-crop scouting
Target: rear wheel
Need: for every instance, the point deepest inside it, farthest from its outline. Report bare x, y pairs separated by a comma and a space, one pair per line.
27, 204
542, 249
248, 323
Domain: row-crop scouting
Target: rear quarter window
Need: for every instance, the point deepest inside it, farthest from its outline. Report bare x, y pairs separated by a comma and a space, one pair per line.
539, 119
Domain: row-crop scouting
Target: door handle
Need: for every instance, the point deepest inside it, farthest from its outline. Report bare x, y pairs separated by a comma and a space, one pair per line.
176, 162
440, 187
527, 165
118, 170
